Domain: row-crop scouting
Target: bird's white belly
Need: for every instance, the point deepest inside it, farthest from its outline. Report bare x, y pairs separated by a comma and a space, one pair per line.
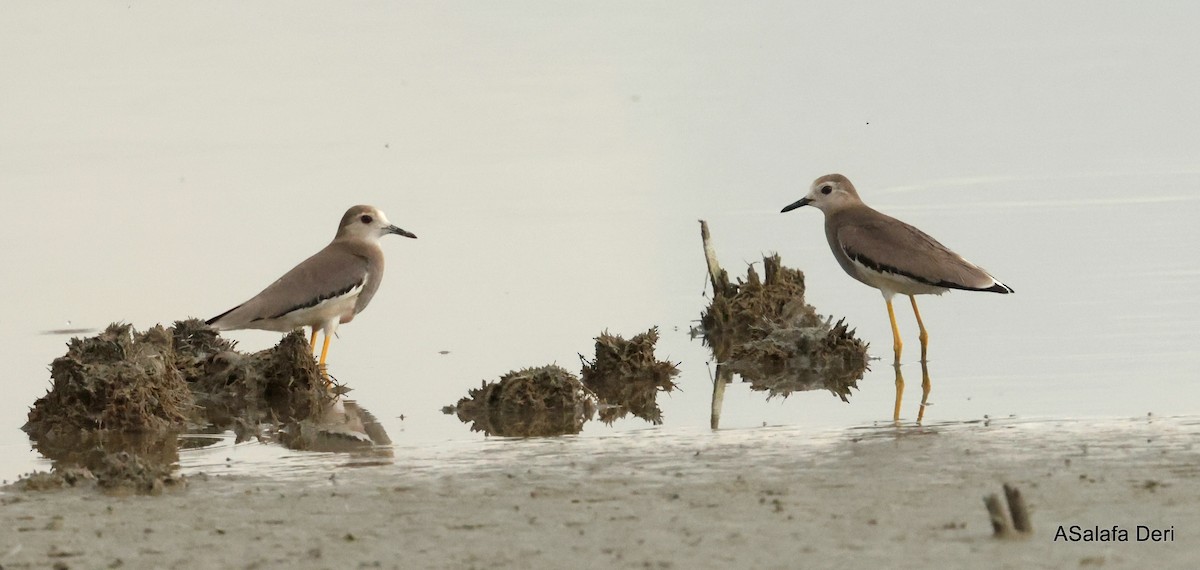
331, 310
893, 283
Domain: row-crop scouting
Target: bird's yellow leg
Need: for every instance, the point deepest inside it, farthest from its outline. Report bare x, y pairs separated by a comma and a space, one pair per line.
312, 344
926, 386
321, 363
897, 344
924, 335
899, 392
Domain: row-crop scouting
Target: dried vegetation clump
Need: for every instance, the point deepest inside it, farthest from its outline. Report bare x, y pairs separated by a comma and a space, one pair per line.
627, 378
623, 378
761, 329
119, 380
279, 384
118, 400
532, 402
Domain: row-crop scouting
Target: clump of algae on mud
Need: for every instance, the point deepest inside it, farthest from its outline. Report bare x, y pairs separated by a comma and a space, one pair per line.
119, 380
532, 402
764, 331
626, 376
623, 378
118, 400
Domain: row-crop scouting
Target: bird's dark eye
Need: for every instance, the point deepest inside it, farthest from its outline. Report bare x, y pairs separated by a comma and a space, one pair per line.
826, 189
366, 219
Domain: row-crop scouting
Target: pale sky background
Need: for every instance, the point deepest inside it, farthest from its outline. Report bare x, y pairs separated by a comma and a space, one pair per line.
164, 160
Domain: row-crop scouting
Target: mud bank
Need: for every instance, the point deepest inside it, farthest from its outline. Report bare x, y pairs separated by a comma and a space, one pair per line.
762, 498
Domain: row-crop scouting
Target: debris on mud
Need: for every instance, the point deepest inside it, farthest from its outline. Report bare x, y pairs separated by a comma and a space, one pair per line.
776, 341
121, 473
626, 377
533, 402
241, 391
165, 378
118, 400
623, 378
56, 479
124, 472
119, 380
762, 329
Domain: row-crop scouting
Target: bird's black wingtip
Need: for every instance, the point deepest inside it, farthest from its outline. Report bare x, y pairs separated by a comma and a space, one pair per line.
210, 322
1000, 288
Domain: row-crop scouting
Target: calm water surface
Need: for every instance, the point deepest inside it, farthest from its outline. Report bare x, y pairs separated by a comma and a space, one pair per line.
166, 161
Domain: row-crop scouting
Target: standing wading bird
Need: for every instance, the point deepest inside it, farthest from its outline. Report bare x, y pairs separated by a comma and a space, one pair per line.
891, 256
325, 290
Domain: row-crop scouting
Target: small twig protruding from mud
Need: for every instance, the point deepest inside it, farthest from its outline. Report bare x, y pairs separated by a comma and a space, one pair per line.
720, 284
997, 515
1001, 528
1016, 506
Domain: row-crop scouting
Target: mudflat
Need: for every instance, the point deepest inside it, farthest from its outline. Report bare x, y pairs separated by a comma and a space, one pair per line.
898, 497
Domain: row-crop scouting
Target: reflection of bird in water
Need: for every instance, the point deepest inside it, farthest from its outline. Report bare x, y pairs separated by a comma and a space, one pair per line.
325, 290
891, 256
343, 426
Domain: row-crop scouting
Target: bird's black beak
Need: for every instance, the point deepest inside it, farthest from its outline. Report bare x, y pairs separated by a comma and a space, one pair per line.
399, 232
796, 204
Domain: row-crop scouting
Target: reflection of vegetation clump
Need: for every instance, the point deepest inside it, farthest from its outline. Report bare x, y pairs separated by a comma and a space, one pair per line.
528, 403
124, 472
57, 479
118, 473
787, 358
626, 377
764, 331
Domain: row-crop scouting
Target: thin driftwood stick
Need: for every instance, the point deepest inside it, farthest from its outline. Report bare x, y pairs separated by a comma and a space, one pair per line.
997, 514
720, 284
1016, 506
710, 256
719, 381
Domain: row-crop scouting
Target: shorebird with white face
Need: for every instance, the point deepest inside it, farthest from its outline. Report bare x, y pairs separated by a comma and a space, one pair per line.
890, 255
325, 290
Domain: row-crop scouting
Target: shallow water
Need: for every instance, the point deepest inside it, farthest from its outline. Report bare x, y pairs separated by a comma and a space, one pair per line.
159, 162
667, 453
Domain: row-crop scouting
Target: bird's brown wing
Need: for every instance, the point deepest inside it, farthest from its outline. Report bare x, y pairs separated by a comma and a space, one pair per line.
888, 245
333, 271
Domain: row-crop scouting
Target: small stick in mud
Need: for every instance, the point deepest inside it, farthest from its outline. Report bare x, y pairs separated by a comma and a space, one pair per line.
720, 284
1000, 522
1016, 506
997, 515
